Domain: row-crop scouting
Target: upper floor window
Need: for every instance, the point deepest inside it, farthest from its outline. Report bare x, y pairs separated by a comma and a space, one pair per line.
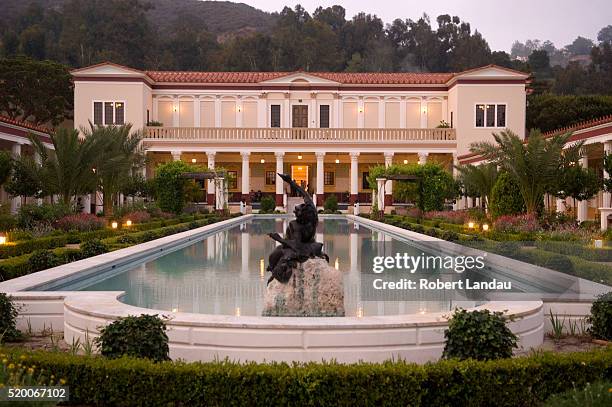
324, 116
275, 117
108, 113
490, 115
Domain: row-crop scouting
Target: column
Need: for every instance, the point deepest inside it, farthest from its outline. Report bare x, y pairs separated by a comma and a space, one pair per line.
607, 199
280, 184
196, 112
381, 113
312, 110
239, 112
86, 203
403, 112
262, 111
360, 113
38, 162
583, 206
423, 157
176, 155
320, 191
210, 188
560, 203
335, 114
354, 178
458, 201
389, 184
423, 113
246, 176
16, 201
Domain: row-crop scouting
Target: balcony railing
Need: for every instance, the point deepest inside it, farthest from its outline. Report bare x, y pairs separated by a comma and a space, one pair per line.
297, 134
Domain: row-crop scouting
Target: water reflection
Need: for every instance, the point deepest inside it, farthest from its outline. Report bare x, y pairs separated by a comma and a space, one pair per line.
225, 273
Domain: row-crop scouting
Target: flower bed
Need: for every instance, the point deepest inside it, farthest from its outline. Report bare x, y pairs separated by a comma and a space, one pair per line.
524, 381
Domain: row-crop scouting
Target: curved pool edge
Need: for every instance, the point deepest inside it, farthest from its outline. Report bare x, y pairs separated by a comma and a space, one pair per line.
201, 337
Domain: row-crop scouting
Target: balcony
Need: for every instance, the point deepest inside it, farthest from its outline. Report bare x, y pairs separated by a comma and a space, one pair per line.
342, 135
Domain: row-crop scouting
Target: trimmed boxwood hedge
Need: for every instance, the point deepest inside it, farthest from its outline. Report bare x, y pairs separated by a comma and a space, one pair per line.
523, 381
19, 266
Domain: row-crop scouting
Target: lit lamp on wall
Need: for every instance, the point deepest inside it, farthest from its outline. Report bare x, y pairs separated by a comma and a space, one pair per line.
114, 225
424, 109
360, 109
2, 239
174, 108
262, 161
299, 156
239, 108
193, 161
405, 161
337, 161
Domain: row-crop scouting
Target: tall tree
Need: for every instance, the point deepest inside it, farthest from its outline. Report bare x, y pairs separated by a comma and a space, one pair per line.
37, 91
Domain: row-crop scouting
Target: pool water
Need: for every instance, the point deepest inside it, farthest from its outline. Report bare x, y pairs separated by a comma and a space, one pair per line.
225, 273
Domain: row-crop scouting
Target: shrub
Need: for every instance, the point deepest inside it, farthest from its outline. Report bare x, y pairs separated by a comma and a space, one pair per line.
480, 335
33, 215
8, 320
456, 217
42, 260
141, 337
93, 247
21, 372
267, 204
137, 216
80, 222
171, 186
516, 224
598, 394
506, 198
523, 381
331, 204
601, 317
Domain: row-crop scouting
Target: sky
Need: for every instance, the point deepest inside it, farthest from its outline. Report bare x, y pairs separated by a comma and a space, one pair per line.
500, 22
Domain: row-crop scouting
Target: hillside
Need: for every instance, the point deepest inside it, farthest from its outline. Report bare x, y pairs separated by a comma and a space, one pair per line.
220, 17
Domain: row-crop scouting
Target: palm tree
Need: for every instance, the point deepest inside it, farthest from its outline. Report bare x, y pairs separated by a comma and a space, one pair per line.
66, 169
533, 163
478, 179
120, 155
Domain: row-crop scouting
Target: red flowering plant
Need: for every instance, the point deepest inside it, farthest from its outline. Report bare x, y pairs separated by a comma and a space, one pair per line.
80, 222
526, 223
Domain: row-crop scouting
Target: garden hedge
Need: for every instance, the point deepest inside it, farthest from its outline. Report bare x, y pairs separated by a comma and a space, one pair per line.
19, 266
523, 381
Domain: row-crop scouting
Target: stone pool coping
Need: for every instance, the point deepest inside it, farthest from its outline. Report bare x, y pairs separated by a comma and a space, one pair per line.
415, 337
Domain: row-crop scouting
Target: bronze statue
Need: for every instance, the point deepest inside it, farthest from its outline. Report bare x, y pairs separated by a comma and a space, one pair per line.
299, 243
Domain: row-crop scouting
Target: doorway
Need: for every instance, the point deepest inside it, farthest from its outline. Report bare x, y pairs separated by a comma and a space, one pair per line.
300, 116
300, 174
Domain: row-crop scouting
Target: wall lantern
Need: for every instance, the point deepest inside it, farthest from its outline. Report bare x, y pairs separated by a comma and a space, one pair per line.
405, 161
337, 161
193, 160
175, 108
360, 109
239, 108
262, 161
299, 156
424, 109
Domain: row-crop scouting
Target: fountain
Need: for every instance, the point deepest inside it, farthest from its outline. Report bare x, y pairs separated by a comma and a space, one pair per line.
302, 282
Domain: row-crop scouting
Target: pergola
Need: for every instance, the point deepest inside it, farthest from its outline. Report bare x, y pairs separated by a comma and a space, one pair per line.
220, 184
382, 182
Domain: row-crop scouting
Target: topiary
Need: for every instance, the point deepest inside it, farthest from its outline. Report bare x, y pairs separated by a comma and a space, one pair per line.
267, 204
601, 317
480, 335
506, 198
141, 336
42, 260
93, 247
8, 319
331, 204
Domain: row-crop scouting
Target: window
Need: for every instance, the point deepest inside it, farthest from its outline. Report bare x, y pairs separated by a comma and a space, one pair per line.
328, 178
275, 120
364, 180
108, 113
324, 116
233, 180
501, 115
270, 178
490, 115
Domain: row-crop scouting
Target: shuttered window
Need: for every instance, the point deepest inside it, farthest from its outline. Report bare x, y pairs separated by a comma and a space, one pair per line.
275, 119
324, 116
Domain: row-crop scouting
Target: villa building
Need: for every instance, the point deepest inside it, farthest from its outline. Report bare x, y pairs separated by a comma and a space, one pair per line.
326, 129
14, 137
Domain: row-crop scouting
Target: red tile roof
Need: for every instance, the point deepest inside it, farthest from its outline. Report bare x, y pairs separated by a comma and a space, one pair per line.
374, 78
581, 125
25, 125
